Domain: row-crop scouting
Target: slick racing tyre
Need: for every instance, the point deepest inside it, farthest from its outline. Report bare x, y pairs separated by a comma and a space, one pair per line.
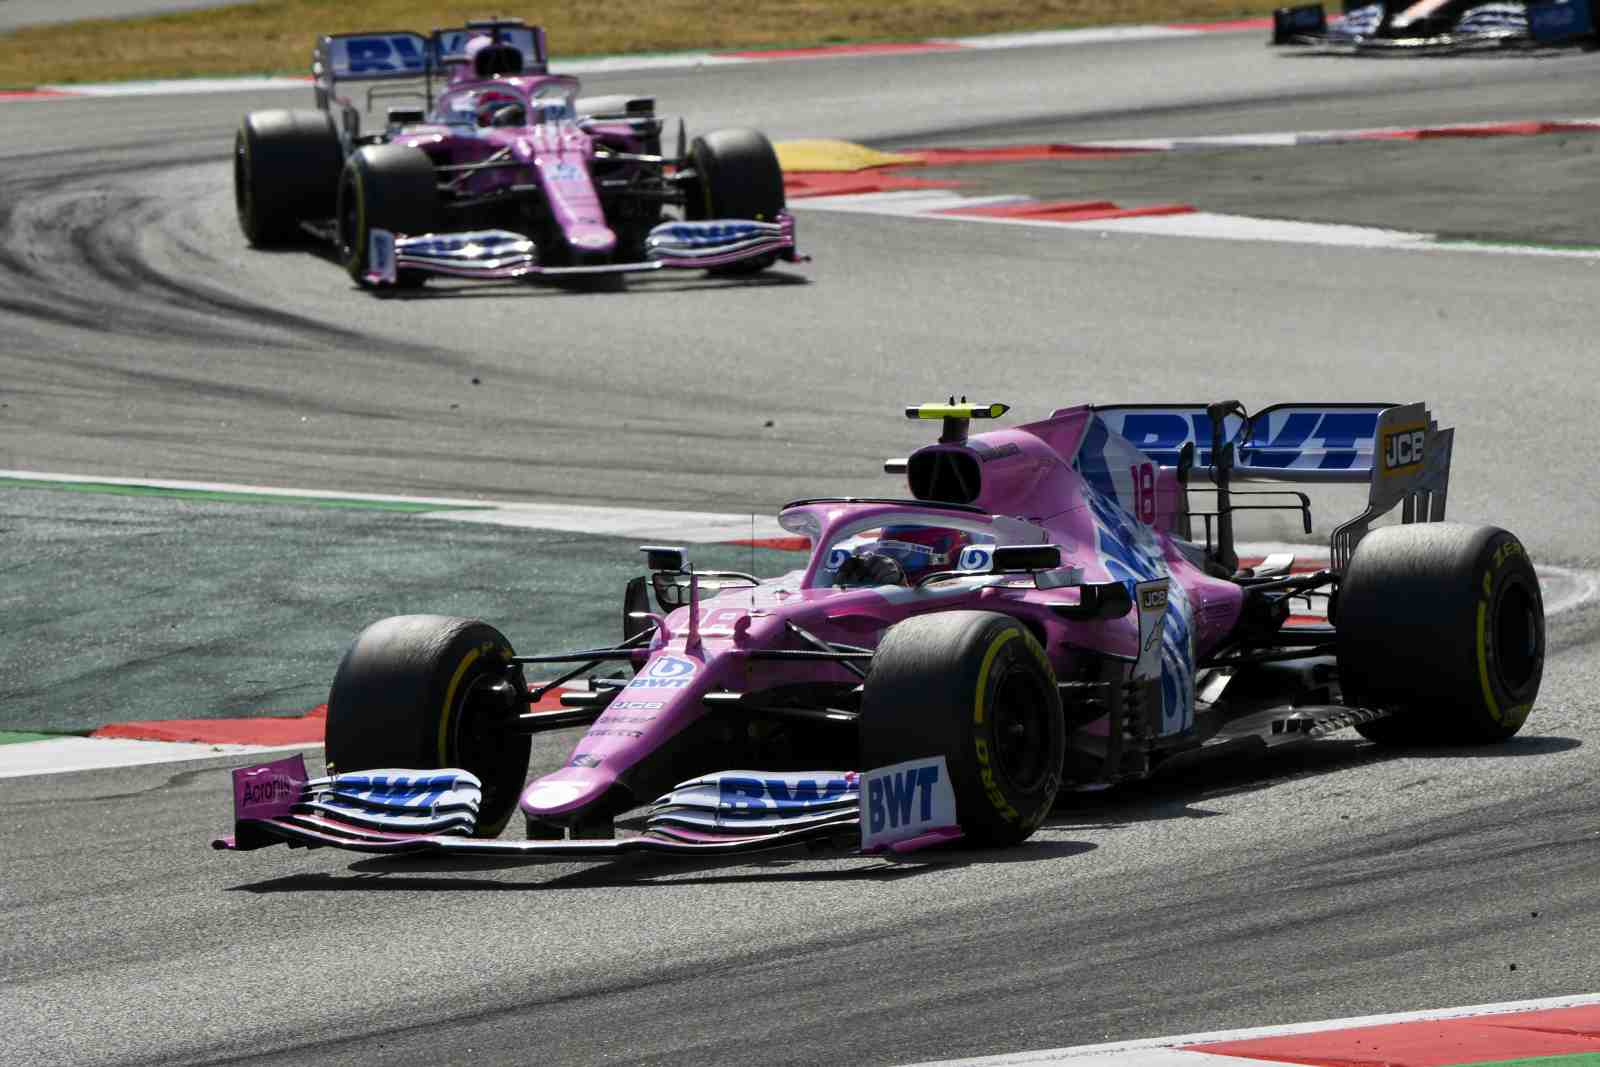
738, 178
285, 172
424, 692
975, 688
385, 187
1442, 624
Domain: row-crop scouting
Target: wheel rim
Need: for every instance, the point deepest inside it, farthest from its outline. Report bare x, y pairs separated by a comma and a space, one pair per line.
1021, 729
1516, 637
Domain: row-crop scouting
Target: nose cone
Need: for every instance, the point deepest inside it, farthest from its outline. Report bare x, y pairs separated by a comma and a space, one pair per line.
591, 243
566, 791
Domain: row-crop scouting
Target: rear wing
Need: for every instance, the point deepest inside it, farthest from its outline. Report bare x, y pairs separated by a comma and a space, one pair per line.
1397, 450
389, 55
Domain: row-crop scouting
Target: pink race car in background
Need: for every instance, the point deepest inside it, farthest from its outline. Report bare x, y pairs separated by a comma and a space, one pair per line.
1041, 615
507, 173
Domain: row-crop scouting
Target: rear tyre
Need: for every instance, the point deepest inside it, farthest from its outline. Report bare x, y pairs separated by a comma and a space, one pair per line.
385, 187
425, 692
1442, 624
285, 172
975, 688
738, 178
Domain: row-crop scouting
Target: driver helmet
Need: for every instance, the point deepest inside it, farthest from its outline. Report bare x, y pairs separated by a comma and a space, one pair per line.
921, 550
500, 109
488, 59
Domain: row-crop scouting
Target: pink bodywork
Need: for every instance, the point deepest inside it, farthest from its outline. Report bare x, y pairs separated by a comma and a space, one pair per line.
1032, 492
555, 153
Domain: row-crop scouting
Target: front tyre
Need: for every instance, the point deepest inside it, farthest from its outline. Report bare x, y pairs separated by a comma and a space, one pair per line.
285, 172
738, 177
428, 691
1443, 625
385, 187
974, 687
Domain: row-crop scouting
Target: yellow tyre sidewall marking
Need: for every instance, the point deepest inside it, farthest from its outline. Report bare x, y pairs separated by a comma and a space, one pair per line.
1483, 659
983, 673
981, 747
1509, 716
445, 720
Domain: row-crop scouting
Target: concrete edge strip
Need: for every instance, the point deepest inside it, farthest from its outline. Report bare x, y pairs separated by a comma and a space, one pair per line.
949, 207
684, 60
1170, 1051
1312, 138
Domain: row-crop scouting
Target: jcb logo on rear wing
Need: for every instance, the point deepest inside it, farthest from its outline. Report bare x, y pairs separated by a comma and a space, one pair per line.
1403, 449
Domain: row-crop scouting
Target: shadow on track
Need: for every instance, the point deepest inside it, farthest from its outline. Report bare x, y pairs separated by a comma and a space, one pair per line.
408, 874
585, 287
1182, 793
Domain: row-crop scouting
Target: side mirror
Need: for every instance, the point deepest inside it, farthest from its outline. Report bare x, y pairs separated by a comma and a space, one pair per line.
635, 605
1013, 558
665, 558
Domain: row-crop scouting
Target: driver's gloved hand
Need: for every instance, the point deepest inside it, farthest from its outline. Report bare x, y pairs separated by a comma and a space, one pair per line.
870, 568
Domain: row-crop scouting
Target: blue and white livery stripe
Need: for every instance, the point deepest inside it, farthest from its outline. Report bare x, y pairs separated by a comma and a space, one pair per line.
712, 237
1131, 554
741, 801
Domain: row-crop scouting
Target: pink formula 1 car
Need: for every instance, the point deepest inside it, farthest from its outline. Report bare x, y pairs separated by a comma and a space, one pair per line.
1044, 613
505, 173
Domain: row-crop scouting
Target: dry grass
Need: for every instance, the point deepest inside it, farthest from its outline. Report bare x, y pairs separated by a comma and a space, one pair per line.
276, 38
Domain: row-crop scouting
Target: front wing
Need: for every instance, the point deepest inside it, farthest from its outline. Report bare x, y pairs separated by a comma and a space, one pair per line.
501, 254
907, 806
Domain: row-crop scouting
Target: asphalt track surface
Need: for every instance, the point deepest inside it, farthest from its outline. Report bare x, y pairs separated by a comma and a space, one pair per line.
142, 339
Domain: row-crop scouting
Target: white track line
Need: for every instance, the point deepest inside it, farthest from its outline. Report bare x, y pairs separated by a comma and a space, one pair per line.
1305, 138
693, 526
1205, 225
1168, 1051
62, 755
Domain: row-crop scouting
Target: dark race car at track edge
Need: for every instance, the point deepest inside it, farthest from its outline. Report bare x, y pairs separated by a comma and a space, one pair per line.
1391, 27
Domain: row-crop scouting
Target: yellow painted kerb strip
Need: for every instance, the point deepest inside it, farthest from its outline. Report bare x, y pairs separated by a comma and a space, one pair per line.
839, 157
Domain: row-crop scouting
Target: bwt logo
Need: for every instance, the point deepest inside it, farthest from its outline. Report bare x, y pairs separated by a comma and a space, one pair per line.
401, 791
1403, 448
668, 672
975, 558
670, 667
749, 798
889, 799
385, 54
